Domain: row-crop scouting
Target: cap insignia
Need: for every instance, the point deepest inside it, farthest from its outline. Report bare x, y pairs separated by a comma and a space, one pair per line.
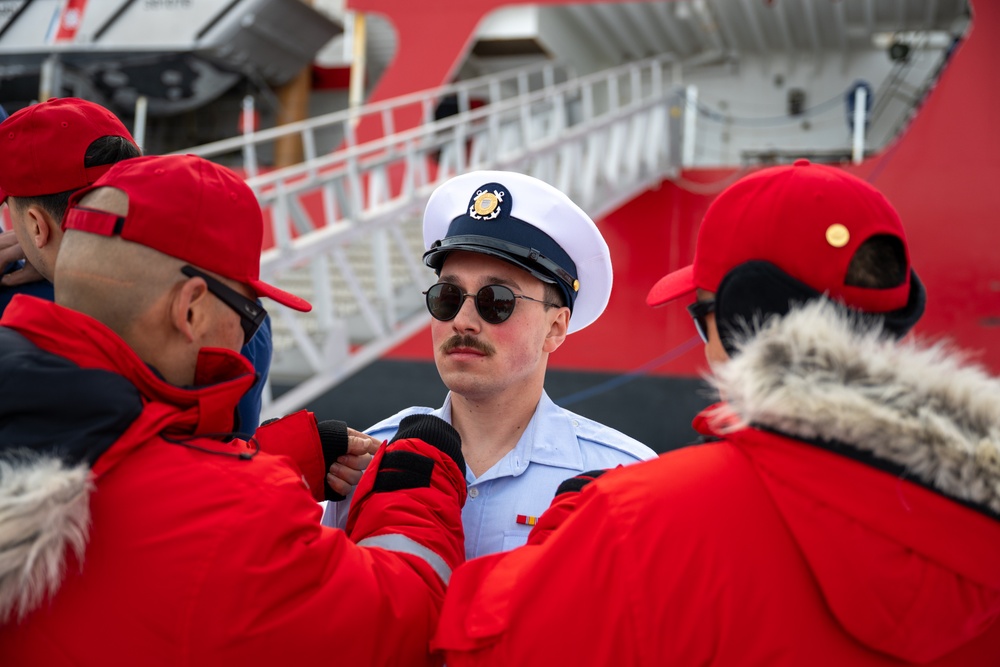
837, 235
486, 204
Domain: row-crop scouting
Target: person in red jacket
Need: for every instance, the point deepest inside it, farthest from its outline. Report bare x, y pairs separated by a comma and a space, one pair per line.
133, 529
845, 509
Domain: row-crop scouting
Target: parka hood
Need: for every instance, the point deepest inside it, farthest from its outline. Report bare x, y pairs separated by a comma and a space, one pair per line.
917, 575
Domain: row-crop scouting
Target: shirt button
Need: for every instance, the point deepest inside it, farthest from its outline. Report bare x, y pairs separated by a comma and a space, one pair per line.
473, 492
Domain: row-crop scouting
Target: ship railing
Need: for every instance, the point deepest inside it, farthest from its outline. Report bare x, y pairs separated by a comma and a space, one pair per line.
323, 133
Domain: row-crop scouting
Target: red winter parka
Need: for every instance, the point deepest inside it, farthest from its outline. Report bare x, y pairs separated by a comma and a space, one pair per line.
128, 537
855, 523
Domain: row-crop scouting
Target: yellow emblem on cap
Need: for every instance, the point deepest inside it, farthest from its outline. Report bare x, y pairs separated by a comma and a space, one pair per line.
837, 235
486, 203
576, 285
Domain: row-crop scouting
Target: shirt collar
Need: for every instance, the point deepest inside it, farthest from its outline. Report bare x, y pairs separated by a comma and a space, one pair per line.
549, 439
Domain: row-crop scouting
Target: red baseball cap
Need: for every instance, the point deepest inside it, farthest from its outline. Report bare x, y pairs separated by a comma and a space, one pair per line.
189, 208
43, 147
806, 219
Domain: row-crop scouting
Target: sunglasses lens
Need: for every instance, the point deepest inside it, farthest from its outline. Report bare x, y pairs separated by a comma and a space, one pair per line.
249, 329
495, 303
698, 311
699, 324
444, 301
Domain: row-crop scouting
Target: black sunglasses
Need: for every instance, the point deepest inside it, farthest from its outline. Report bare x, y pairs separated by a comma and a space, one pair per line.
251, 313
698, 310
494, 303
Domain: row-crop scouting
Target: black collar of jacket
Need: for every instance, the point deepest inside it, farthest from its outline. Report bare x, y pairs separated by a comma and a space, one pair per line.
51, 406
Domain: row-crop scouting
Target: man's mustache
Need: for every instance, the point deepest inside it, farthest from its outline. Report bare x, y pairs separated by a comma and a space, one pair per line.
469, 342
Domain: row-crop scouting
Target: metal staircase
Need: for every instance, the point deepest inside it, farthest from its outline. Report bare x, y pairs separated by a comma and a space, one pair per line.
345, 227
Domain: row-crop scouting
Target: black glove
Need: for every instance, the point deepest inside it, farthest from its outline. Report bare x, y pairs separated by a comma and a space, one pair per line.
574, 484
409, 470
333, 439
434, 431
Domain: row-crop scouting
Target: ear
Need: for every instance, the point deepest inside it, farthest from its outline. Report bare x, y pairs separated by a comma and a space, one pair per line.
188, 308
558, 329
39, 225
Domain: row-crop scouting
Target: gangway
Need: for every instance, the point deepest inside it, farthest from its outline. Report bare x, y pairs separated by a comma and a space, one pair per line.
344, 228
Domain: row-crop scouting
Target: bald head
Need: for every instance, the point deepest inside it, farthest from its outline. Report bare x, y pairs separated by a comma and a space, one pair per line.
112, 280
142, 295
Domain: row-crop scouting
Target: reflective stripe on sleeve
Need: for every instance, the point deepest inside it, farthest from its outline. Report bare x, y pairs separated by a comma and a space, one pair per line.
403, 544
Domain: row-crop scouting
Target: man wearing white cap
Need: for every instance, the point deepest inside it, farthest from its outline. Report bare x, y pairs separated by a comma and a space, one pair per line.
519, 267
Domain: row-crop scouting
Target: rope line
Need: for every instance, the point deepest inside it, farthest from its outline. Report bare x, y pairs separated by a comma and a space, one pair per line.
620, 380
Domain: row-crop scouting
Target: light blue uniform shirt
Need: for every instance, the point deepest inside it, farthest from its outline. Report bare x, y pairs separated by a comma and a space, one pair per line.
556, 445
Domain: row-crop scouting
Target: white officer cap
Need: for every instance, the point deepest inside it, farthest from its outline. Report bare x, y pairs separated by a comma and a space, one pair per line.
528, 223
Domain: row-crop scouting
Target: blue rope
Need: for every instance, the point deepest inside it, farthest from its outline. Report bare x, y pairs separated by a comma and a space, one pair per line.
618, 381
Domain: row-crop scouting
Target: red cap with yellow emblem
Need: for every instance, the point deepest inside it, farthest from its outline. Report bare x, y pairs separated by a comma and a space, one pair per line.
806, 219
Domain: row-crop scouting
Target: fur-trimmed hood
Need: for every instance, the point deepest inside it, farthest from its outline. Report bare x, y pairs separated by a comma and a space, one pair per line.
906, 561
56, 420
815, 375
44, 515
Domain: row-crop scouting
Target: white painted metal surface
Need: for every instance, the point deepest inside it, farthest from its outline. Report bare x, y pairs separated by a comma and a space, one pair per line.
703, 31
179, 54
860, 121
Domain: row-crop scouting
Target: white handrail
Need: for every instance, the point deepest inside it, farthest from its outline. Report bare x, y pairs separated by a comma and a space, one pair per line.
351, 117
